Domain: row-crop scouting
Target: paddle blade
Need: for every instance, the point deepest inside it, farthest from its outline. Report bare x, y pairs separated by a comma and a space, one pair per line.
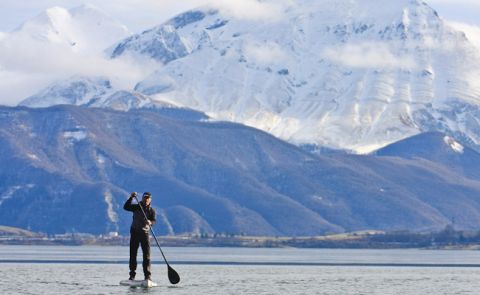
173, 276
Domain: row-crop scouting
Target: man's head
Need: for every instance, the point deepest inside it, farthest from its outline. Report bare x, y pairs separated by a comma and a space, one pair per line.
147, 198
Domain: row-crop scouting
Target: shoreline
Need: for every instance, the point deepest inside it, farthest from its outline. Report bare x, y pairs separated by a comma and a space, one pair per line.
376, 241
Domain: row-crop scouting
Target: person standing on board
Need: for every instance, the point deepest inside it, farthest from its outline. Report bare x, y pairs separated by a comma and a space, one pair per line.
139, 232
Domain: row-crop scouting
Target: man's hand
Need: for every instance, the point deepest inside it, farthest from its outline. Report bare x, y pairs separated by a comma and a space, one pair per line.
149, 222
133, 195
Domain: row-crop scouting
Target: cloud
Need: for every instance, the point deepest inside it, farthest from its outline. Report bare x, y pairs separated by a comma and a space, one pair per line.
28, 65
137, 15
471, 31
367, 55
465, 11
454, 2
251, 9
264, 53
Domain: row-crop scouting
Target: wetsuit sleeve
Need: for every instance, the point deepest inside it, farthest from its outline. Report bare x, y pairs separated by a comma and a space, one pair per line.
128, 205
153, 217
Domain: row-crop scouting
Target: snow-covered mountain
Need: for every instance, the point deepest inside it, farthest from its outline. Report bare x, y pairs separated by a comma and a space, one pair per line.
75, 91
84, 29
60, 43
345, 74
92, 92
123, 100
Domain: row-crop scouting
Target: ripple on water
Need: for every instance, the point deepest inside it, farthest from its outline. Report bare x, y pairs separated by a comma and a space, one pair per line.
224, 279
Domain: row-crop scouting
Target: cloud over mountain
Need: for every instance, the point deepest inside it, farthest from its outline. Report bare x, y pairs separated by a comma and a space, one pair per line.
60, 43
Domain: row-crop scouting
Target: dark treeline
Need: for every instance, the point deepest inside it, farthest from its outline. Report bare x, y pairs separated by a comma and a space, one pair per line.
395, 239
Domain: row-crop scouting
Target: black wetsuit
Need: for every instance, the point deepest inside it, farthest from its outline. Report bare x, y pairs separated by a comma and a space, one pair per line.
139, 235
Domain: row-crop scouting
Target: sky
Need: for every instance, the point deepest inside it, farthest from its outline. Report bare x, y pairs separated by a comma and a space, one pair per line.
21, 79
152, 12
13, 13
137, 15
464, 11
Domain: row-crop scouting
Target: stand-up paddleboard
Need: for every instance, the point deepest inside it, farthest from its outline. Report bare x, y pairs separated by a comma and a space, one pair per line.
138, 283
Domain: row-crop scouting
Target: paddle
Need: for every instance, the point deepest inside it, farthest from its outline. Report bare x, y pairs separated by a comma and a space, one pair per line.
173, 276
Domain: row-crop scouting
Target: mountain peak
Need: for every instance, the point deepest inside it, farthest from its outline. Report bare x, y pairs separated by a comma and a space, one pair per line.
56, 12
347, 74
82, 29
77, 90
88, 7
434, 146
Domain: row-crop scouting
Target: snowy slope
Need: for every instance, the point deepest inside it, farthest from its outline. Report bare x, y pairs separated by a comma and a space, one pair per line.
345, 74
75, 91
96, 92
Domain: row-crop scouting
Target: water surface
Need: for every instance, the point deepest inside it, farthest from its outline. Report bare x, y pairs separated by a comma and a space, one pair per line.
98, 270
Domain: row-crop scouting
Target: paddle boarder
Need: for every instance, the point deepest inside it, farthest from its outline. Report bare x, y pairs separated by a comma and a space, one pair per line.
139, 232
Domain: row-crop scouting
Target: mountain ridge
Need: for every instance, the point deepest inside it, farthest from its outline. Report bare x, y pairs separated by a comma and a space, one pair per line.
84, 28
333, 74
75, 166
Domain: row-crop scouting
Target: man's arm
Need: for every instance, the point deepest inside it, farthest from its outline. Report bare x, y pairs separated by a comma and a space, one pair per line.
153, 217
128, 204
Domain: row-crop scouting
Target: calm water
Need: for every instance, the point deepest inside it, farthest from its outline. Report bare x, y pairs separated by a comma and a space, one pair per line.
97, 270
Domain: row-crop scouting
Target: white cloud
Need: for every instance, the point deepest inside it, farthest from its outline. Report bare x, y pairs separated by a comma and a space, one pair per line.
471, 31
241, 9
28, 65
251, 9
367, 55
455, 2
137, 15
32, 58
264, 53
465, 11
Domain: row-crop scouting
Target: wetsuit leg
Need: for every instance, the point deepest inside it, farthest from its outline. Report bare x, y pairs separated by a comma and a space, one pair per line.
134, 243
145, 242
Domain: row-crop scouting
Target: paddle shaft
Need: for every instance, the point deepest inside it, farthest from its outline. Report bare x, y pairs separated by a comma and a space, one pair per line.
151, 230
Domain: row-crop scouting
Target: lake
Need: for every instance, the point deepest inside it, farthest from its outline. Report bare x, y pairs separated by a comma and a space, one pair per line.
98, 269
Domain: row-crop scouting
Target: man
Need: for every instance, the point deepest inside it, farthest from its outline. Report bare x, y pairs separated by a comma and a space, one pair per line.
139, 232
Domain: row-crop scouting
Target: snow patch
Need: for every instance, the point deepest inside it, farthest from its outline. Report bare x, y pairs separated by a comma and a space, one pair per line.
75, 135
455, 145
100, 159
9, 193
32, 156
112, 215
167, 223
